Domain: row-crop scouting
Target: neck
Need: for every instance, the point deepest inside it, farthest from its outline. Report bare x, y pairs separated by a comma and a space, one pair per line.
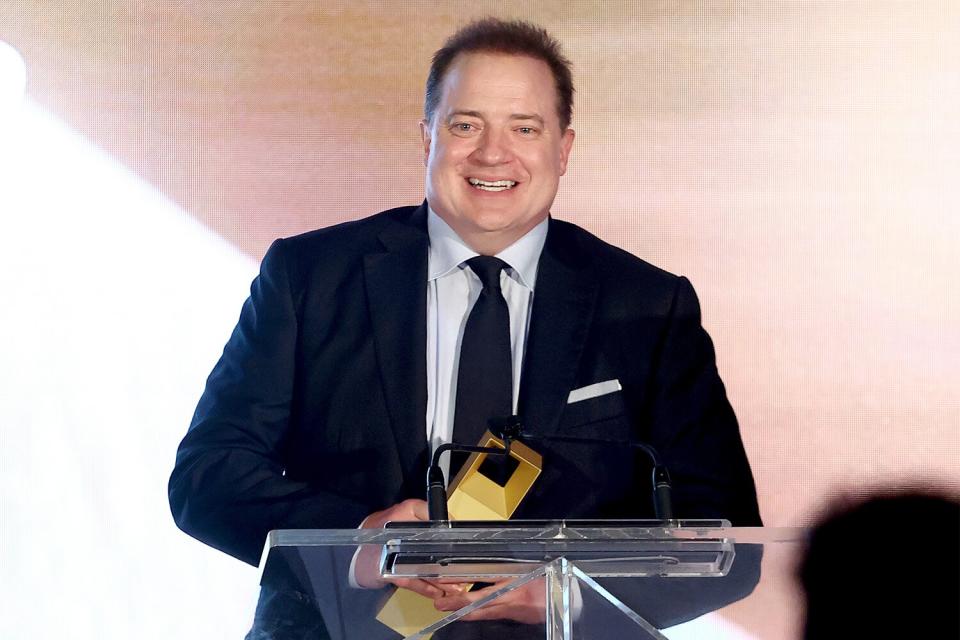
490, 243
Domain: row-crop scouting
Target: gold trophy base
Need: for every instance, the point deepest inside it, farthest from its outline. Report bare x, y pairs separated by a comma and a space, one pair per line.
470, 496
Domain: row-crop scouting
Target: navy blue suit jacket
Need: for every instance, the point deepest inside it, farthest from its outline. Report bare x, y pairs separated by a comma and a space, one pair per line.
314, 417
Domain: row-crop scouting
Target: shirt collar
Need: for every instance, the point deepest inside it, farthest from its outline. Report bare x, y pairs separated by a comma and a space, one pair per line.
448, 251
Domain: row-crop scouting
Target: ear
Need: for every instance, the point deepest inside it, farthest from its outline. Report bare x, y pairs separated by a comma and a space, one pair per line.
566, 143
425, 138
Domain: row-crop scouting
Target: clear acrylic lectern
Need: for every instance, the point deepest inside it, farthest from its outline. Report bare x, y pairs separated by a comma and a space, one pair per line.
594, 579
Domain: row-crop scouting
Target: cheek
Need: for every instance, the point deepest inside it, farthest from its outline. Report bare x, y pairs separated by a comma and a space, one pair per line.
455, 151
439, 164
440, 161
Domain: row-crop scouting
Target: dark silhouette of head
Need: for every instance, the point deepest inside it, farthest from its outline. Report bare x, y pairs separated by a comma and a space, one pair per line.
884, 566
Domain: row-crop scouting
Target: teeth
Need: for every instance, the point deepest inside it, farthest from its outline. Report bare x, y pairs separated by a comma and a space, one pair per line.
497, 185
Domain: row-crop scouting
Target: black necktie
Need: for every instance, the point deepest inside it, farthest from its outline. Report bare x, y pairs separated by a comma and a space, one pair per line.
485, 371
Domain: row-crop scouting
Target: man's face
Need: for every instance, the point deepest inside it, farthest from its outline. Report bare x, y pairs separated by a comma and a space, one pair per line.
494, 150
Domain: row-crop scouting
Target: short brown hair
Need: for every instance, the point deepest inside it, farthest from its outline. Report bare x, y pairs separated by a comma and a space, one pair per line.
512, 37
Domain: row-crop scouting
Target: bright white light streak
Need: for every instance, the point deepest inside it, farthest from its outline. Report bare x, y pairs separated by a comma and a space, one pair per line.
712, 626
114, 305
13, 77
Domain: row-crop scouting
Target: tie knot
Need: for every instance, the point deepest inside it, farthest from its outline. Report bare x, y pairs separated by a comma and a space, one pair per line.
488, 270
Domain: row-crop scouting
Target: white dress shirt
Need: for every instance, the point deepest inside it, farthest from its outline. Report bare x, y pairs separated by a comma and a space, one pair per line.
452, 290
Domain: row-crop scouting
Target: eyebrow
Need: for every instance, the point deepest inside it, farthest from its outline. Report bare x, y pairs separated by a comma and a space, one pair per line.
513, 116
527, 116
472, 114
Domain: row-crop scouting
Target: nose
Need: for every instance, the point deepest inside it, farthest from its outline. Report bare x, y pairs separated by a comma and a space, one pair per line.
493, 147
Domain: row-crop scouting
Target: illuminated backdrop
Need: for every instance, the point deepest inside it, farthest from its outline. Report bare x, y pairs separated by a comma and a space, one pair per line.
798, 161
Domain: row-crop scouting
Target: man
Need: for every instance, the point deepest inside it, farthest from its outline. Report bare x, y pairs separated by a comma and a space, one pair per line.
348, 363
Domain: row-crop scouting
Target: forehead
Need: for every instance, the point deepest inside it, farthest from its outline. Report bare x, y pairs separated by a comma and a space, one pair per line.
481, 79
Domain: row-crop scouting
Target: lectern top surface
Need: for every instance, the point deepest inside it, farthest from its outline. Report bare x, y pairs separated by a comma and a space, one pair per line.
535, 531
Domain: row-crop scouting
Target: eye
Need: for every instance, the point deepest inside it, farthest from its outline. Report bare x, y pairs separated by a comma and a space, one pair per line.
464, 128
527, 131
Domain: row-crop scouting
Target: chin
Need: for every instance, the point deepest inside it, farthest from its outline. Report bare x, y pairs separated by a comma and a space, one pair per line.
493, 222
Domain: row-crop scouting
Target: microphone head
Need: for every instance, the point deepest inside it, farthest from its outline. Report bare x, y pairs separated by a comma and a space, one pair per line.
506, 428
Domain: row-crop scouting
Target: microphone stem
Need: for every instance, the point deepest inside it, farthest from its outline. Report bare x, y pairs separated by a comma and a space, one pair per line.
437, 484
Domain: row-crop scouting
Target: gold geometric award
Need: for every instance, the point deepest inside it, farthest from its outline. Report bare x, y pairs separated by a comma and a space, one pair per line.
483, 489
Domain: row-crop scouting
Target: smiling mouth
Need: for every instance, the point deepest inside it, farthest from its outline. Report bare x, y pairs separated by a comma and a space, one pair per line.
496, 185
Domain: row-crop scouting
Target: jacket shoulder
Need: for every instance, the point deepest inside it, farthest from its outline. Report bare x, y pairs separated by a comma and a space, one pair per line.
353, 234
613, 265
340, 247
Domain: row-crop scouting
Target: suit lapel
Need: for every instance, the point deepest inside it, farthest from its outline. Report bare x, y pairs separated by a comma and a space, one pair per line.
563, 304
396, 284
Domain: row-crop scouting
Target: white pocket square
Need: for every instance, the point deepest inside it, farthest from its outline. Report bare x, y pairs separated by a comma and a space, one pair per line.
594, 390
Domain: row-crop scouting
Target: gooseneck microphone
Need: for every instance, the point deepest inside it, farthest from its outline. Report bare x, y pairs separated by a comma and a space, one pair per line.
436, 483
662, 492
509, 428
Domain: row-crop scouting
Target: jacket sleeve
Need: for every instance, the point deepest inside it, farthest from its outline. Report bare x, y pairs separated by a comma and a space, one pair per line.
228, 487
694, 426
695, 432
